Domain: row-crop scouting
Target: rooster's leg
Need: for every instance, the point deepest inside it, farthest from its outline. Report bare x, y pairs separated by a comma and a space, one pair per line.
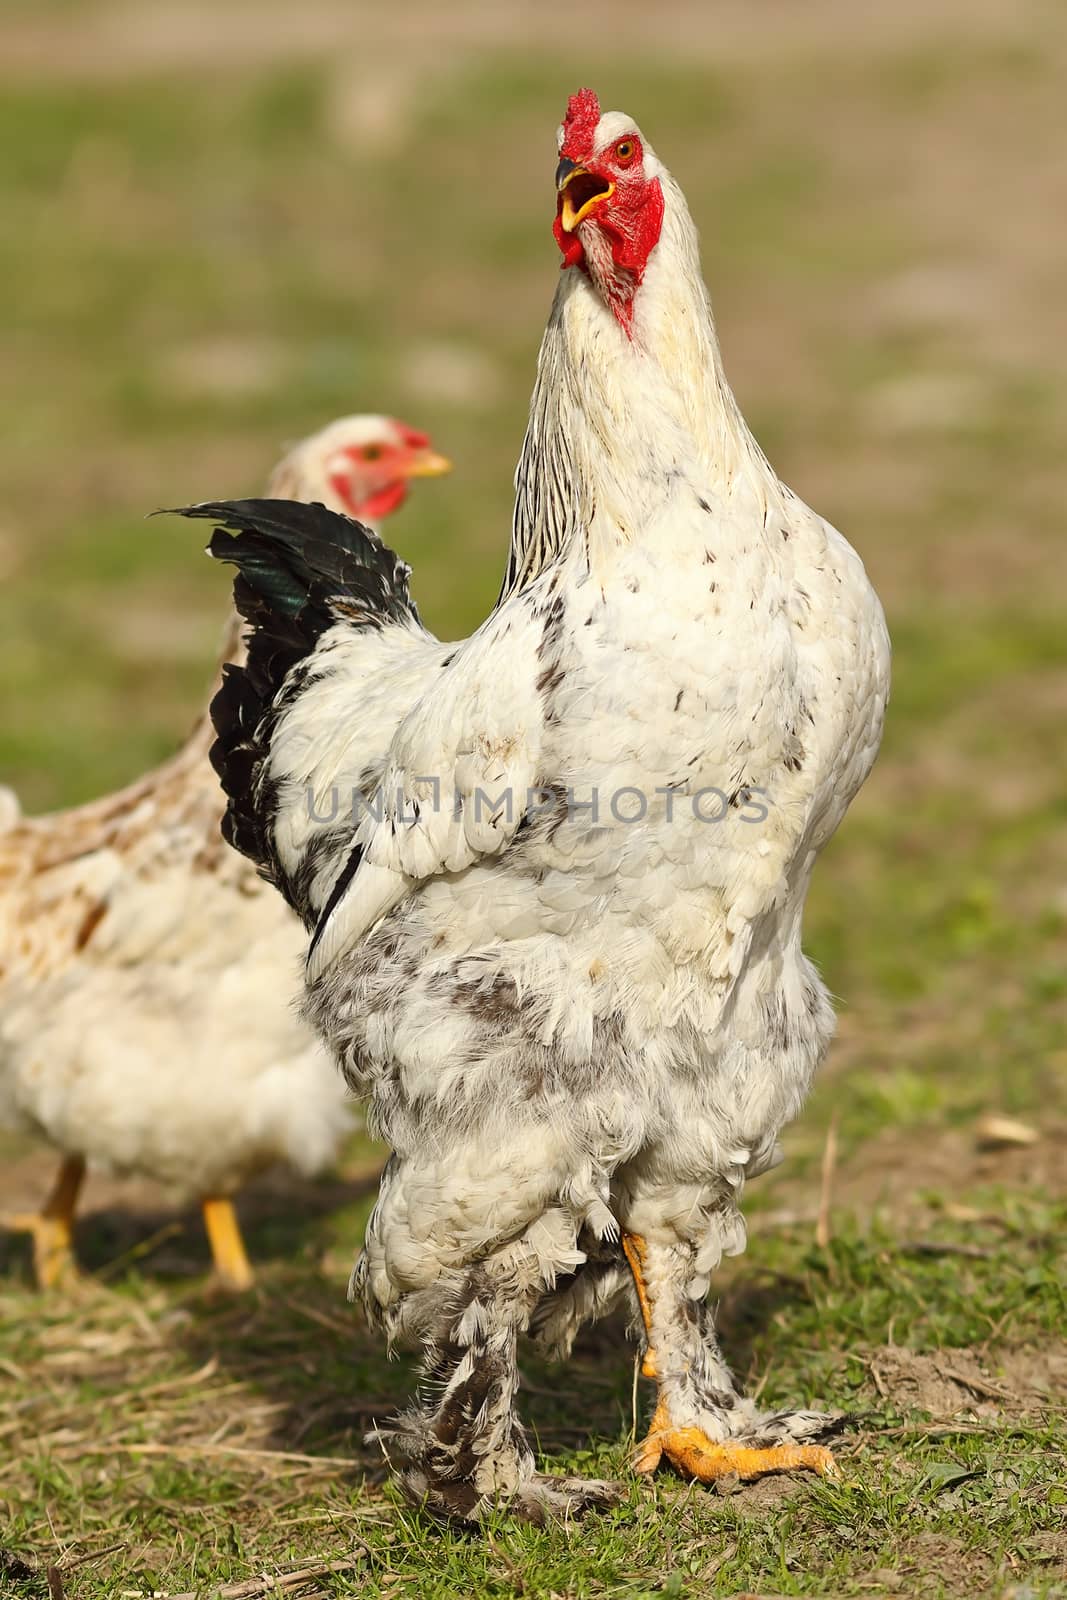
232, 1267
701, 1424
461, 1448
52, 1228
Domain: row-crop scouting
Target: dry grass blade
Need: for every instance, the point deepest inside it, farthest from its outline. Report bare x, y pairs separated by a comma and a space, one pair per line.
335, 1324
137, 1252
186, 1381
288, 1583
91, 1555
991, 1391
829, 1165
876, 1378
513, 1571
55, 1584
949, 1428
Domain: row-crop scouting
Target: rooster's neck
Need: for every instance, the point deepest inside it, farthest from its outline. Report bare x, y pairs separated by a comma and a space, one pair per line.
675, 329
617, 412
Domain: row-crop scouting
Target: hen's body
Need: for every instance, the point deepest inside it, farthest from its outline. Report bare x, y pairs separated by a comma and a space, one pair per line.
563, 959
148, 976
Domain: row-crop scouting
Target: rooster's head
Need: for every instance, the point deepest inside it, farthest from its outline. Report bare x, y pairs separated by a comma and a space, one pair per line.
609, 209
359, 465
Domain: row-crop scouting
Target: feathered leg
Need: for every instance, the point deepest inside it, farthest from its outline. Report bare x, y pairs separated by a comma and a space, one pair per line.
702, 1424
461, 1448
52, 1228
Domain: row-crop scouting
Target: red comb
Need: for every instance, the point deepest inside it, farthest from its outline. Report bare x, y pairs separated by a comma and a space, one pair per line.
583, 114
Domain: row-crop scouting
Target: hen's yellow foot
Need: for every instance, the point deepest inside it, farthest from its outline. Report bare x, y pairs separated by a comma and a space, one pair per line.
53, 1247
232, 1266
52, 1228
694, 1455
691, 1453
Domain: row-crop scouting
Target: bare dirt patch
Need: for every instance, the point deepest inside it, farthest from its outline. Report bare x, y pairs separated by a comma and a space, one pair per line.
917, 1176
929, 1554
1010, 1383
903, 1165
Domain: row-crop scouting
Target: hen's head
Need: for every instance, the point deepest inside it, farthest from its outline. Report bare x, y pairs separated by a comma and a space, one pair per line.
609, 209
358, 465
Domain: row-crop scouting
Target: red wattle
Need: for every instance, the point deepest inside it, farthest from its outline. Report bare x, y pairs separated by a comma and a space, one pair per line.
375, 506
569, 244
384, 502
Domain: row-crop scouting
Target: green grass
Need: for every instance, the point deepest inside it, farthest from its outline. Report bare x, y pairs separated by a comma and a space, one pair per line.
174, 1405
198, 264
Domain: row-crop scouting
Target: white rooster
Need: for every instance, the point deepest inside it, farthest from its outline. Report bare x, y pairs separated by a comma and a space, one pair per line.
147, 974
556, 932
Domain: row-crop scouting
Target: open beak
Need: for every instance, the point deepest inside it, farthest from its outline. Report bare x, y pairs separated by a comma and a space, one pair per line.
426, 464
580, 191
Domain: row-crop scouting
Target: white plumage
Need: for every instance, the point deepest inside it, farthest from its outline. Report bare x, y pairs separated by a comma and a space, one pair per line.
147, 1015
559, 952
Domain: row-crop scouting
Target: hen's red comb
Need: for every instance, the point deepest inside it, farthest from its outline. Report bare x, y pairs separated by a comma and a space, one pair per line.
583, 114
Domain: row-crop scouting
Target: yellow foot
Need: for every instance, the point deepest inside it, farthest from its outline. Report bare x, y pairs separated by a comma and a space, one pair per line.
53, 1251
232, 1267
52, 1228
694, 1455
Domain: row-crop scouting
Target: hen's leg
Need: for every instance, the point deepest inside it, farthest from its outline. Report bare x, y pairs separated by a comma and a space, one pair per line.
52, 1228
232, 1267
462, 1448
703, 1426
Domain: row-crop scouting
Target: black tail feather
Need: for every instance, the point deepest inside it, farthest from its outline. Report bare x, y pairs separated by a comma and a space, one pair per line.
301, 570
294, 557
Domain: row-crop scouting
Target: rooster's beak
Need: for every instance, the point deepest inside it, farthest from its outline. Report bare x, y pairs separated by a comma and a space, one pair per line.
426, 464
578, 201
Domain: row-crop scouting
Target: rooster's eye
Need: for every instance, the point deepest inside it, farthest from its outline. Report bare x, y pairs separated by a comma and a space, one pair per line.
624, 151
372, 452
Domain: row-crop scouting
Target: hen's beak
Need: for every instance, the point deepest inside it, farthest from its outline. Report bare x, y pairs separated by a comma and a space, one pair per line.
426, 464
579, 191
